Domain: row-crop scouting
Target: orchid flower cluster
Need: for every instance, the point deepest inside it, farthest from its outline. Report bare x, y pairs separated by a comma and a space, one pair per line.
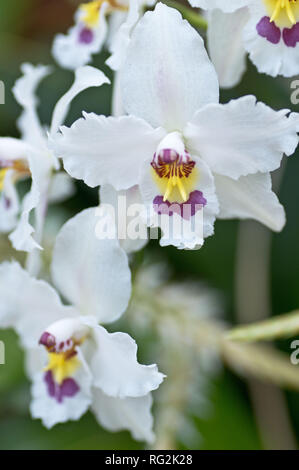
170, 149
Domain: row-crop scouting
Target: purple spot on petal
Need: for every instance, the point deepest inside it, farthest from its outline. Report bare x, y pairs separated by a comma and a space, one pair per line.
268, 30
47, 340
68, 388
7, 203
186, 210
86, 36
50, 383
291, 36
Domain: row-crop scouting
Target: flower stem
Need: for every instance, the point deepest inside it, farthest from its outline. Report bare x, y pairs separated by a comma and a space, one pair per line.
192, 16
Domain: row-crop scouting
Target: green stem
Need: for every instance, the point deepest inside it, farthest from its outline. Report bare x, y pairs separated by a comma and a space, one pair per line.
192, 16
283, 326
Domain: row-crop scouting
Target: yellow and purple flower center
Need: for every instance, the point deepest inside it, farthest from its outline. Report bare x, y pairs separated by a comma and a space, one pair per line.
63, 363
176, 177
20, 170
91, 17
282, 22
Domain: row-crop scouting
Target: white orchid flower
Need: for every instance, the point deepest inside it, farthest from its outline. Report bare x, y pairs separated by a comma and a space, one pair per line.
267, 29
177, 143
30, 156
79, 365
91, 31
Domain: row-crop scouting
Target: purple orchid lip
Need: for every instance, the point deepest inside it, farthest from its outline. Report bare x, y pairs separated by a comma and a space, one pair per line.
268, 30
291, 35
86, 36
186, 210
69, 388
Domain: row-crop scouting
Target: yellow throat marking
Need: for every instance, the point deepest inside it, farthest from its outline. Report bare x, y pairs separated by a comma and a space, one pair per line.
174, 187
3, 172
20, 169
62, 365
285, 13
92, 10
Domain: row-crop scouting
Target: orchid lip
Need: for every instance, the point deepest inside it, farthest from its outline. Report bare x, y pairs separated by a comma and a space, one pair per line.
174, 169
67, 389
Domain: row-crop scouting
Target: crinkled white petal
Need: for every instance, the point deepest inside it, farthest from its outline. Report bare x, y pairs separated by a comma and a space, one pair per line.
269, 58
9, 204
167, 74
182, 233
103, 150
85, 77
28, 305
92, 273
25, 93
250, 197
62, 187
227, 6
128, 207
118, 414
40, 164
225, 45
241, 137
49, 410
115, 368
177, 231
70, 53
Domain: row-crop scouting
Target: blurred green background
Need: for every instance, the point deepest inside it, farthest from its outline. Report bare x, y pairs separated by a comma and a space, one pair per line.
27, 28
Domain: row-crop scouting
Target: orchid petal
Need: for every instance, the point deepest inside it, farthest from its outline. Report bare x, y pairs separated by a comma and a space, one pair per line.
119, 44
242, 137
28, 305
118, 414
62, 187
92, 273
167, 75
9, 204
85, 77
103, 150
250, 197
40, 165
225, 45
115, 368
226, 6
25, 94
